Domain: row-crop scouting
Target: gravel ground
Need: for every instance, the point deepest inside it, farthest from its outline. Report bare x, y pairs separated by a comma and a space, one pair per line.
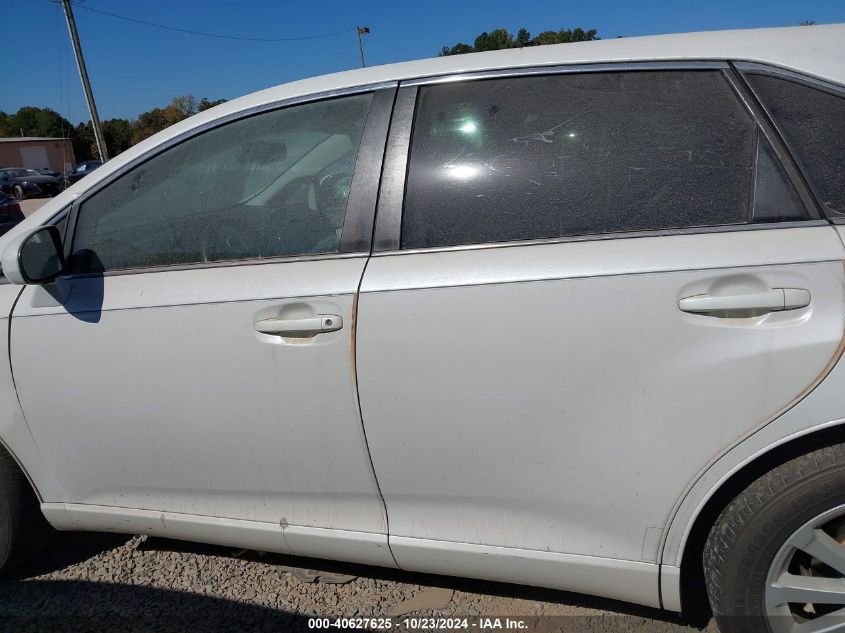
96, 582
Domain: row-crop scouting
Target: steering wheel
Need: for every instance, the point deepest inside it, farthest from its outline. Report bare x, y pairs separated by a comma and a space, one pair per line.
333, 190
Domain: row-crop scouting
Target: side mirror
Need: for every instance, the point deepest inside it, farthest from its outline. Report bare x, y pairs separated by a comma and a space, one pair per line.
34, 258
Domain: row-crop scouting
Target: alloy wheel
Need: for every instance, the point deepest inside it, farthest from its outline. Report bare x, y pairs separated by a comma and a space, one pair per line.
805, 587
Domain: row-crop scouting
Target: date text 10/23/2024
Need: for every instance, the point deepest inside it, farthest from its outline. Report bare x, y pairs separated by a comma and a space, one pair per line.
421, 623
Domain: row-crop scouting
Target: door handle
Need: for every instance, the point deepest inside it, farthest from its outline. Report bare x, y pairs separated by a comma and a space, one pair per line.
774, 300
300, 327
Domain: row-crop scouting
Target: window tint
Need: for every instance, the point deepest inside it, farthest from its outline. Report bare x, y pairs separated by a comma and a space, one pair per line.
775, 200
62, 224
813, 124
540, 157
274, 184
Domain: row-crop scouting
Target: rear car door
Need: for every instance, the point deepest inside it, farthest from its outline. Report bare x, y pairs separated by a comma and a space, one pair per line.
592, 282
197, 359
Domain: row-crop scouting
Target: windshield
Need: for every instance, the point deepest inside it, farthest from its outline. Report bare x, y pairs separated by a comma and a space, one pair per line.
21, 173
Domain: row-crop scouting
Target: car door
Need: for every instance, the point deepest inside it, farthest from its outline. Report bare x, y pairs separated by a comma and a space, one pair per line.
589, 285
196, 361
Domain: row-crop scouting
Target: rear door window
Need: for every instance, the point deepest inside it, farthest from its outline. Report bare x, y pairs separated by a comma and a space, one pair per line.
588, 153
812, 122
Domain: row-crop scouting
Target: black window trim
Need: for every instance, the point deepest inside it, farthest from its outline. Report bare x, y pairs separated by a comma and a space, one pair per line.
755, 68
782, 154
391, 197
362, 196
387, 238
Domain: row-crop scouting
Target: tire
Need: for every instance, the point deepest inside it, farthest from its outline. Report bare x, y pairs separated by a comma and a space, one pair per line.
23, 529
20, 194
755, 547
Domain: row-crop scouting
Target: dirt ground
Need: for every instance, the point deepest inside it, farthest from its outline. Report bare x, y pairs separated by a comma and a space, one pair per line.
107, 582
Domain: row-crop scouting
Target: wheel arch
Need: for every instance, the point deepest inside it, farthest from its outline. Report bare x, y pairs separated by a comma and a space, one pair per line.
4, 447
692, 597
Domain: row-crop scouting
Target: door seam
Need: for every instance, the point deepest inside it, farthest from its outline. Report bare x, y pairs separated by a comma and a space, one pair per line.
354, 361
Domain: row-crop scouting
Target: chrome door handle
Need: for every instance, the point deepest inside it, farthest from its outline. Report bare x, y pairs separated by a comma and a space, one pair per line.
773, 300
300, 327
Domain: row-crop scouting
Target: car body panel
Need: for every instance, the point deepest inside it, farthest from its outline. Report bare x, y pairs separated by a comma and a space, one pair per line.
347, 545
632, 581
518, 414
197, 394
10, 213
15, 435
822, 406
435, 326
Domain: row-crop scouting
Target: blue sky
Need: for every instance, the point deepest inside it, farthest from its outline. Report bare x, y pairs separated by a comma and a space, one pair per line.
134, 67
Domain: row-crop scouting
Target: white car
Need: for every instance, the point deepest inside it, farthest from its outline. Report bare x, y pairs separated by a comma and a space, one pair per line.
568, 316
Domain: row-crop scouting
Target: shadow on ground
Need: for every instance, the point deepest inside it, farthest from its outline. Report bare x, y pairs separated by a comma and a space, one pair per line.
31, 604
76, 606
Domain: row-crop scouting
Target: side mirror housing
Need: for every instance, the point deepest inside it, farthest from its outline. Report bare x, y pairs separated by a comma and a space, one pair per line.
35, 257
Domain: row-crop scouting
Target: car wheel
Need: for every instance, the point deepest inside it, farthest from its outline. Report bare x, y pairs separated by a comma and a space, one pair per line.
774, 561
23, 529
20, 194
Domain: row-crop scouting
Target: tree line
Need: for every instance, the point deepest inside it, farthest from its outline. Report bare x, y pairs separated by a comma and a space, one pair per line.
501, 38
119, 134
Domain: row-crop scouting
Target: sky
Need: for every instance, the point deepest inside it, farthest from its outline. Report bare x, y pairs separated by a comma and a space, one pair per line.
134, 67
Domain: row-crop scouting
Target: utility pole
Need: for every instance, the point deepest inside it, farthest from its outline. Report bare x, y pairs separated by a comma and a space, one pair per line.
362, 30
86, 85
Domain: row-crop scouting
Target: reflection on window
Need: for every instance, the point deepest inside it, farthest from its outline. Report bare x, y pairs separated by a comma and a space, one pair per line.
271, 185
813, 124
537, 157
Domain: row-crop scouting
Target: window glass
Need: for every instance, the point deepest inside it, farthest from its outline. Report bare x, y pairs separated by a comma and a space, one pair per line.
62, 225
274, 184
775, 200
813, 124
575, 154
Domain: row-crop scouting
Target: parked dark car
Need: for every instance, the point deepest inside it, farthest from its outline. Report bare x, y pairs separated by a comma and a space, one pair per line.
46, 171
79, 172
10, 213
27, 183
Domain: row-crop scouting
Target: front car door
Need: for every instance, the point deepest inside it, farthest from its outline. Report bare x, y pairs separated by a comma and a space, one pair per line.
591, 284
192, 375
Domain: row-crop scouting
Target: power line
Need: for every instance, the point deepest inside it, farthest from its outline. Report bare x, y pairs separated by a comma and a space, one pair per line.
217, 35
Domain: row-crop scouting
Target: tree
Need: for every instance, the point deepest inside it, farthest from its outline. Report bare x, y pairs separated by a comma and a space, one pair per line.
205, 104
184, 106
457, 49
84, 143
118, 135
32, 121
148, 123
500, 38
